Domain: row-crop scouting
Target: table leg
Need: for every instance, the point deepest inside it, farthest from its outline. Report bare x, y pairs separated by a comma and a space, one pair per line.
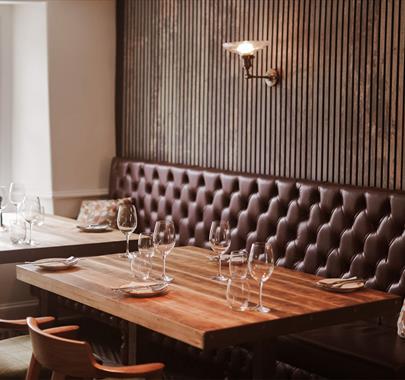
264, 359
132, 341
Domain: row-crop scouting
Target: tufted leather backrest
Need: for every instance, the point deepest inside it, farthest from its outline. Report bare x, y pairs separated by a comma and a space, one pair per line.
325, 229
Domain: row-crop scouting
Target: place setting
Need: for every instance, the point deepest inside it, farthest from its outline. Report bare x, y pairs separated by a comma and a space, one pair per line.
341, 285
144, 284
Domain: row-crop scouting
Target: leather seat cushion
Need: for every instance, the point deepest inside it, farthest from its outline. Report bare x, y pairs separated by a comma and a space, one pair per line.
360, 350
15, 355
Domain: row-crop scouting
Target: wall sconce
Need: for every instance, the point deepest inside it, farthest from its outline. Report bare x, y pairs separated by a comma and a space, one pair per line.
246, 50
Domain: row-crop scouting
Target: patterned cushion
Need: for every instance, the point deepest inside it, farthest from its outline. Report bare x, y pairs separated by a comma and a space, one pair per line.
15, 355
100, 211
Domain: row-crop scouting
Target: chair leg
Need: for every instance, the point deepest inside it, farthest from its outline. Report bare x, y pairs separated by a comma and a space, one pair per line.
58, 376
34, 369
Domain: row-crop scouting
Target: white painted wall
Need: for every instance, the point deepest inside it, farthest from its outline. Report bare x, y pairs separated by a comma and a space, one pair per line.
81, 42
6, 64
75, 62
31, 150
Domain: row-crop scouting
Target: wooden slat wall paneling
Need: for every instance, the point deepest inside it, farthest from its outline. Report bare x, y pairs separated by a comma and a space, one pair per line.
337, 114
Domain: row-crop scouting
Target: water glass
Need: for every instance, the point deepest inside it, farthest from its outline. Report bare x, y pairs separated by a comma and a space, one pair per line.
41, 218
238, 289
238, 264
17, 231
141, 265
238, 293
401, 322
3, 205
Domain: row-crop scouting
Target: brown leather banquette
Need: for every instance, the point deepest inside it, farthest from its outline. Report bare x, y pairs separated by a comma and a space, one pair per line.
325, 229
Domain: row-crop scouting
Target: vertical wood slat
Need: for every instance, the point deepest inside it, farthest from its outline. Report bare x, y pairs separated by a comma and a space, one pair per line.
337, 115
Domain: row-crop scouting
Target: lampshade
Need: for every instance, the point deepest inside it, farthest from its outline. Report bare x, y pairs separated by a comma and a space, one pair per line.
244, 48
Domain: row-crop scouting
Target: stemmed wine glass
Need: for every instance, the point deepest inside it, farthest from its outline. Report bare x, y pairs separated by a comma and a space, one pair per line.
164, 239
3, 205
16, 196
220, 240
31, 209
261, 266
126, 222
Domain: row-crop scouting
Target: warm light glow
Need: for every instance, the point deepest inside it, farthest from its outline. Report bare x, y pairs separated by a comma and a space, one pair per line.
245, 48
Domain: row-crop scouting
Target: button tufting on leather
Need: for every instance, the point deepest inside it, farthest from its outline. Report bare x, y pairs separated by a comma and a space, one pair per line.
325, 229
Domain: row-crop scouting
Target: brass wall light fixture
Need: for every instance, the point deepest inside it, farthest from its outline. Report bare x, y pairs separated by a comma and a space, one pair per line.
246, 50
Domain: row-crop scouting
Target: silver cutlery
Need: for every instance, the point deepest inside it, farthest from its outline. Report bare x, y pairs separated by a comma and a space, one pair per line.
154, 287
68, 260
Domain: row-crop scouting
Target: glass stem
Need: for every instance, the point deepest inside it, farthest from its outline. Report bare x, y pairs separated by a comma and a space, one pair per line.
1, 218
29, 240
219, 265
261, 294
127, 237
16, 213
164, 265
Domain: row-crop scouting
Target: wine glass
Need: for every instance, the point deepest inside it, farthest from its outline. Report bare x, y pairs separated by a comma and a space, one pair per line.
164, 239
31, 209
261, 266
126, 222
16, 195
3, 205
220, 240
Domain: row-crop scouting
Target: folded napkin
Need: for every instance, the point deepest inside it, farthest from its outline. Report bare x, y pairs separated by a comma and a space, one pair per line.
341, 285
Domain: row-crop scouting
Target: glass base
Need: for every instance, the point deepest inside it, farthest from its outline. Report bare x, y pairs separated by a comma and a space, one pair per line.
167, 278
125, 256
219, 277
31, 243
262, 309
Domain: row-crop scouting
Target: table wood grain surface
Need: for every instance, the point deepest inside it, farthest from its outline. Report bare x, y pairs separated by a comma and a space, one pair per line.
60, 237
195, 310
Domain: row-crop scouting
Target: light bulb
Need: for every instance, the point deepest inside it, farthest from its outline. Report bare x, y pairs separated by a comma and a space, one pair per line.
245, 48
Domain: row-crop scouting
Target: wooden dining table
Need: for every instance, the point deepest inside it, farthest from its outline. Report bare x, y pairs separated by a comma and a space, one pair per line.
195, 310
60, 237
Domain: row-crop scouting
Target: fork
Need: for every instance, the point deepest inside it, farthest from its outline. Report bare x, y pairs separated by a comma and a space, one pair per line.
155, 287
55, 260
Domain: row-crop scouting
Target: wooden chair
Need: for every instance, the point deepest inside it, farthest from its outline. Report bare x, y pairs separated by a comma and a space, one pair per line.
16, 352
68, 357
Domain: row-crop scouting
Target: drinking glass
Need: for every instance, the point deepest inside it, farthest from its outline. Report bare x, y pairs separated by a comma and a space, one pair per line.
16, 195
261, 266
164, 239
126, 222
238, 264
220, 240
31, 209
41, 217
17, 231
141, 264
238, 290
3, 205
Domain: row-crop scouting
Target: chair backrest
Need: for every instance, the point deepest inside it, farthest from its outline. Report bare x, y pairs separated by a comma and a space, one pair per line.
64, 356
